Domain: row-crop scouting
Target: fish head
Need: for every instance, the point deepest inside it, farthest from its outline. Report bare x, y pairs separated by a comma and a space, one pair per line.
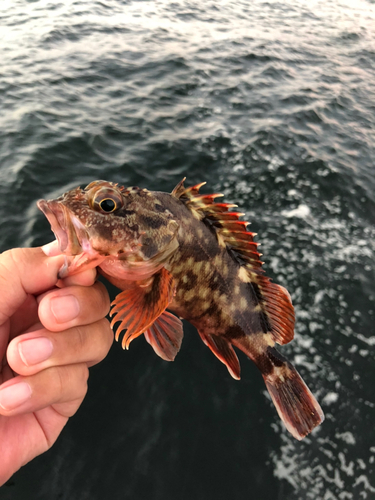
107, 222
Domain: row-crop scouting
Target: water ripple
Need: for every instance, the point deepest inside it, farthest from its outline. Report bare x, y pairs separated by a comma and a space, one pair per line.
271, 103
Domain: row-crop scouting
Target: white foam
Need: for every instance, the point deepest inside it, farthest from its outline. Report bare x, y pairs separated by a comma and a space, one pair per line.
330, 397
302, 211
347, 437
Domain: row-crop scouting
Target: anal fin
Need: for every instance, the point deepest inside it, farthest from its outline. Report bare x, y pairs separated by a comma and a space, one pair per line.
224, 351
165, 336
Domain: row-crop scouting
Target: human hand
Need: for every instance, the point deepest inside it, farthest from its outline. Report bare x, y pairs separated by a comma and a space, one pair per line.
51, 332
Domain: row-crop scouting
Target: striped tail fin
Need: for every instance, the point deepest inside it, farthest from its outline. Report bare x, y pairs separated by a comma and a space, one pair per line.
295, 404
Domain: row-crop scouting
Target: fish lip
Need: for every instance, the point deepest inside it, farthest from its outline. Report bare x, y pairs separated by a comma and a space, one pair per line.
69, 231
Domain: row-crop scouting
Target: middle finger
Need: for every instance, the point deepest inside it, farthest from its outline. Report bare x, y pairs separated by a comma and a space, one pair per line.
64, 308
35, 351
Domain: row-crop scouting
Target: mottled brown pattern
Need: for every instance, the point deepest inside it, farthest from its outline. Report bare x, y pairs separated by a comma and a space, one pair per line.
193, 255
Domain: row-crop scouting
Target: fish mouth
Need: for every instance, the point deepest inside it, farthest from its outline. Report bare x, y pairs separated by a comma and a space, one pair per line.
70, 233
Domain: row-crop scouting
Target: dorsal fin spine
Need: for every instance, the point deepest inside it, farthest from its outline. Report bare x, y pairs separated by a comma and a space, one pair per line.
179, 190
230, 230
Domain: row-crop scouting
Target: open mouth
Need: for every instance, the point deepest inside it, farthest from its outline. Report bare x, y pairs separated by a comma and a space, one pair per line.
69, 231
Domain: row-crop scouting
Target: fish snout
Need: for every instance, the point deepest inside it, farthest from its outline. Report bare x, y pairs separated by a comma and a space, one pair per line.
69, 231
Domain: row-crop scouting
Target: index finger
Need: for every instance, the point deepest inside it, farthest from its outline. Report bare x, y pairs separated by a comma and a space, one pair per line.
85, 278
25, 271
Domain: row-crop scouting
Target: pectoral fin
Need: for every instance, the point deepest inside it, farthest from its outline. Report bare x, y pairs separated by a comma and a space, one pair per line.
224, 351
165, 336
140, 304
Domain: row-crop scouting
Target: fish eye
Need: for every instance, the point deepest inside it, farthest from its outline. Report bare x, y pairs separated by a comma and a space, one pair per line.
106, 200
107, 205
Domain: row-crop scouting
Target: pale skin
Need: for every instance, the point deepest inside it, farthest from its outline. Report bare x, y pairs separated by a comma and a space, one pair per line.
51, 332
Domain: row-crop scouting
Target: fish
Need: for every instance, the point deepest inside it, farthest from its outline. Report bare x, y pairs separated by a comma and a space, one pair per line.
184, 255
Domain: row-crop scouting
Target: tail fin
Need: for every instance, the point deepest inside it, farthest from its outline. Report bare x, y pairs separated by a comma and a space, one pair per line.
295, 404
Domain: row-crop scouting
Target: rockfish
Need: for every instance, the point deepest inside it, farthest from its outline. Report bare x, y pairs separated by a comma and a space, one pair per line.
184, 252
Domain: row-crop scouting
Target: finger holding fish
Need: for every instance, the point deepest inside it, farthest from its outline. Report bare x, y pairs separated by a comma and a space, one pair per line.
85, 278
70, 306
73, 329
42, 349
49, 365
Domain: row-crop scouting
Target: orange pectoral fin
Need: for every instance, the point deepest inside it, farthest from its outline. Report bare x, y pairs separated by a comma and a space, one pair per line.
165, 336
141, 304
224, 351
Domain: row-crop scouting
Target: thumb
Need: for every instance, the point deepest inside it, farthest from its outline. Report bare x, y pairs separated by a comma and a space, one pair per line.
25, 271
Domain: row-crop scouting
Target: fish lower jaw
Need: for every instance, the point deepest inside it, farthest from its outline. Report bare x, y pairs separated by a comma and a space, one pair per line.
123, 270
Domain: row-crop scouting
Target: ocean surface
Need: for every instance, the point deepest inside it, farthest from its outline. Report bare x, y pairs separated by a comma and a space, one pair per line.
273, 104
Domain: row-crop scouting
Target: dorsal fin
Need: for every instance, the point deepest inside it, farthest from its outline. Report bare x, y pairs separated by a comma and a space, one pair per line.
276, 304
231, 232
179, 190
273, 300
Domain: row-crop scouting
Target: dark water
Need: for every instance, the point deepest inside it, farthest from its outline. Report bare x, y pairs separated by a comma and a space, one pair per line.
273, 104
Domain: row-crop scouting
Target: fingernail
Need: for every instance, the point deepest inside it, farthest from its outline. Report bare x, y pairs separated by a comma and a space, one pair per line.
14, 395
49, 247
65, 308
35, 351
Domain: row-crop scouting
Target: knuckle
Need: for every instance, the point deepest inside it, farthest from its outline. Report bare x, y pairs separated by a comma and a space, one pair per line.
84, 374
80, 338
106, 334
107, 331
103, 297
9, 278
13, 258
70, 382
61, 381
102, 339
